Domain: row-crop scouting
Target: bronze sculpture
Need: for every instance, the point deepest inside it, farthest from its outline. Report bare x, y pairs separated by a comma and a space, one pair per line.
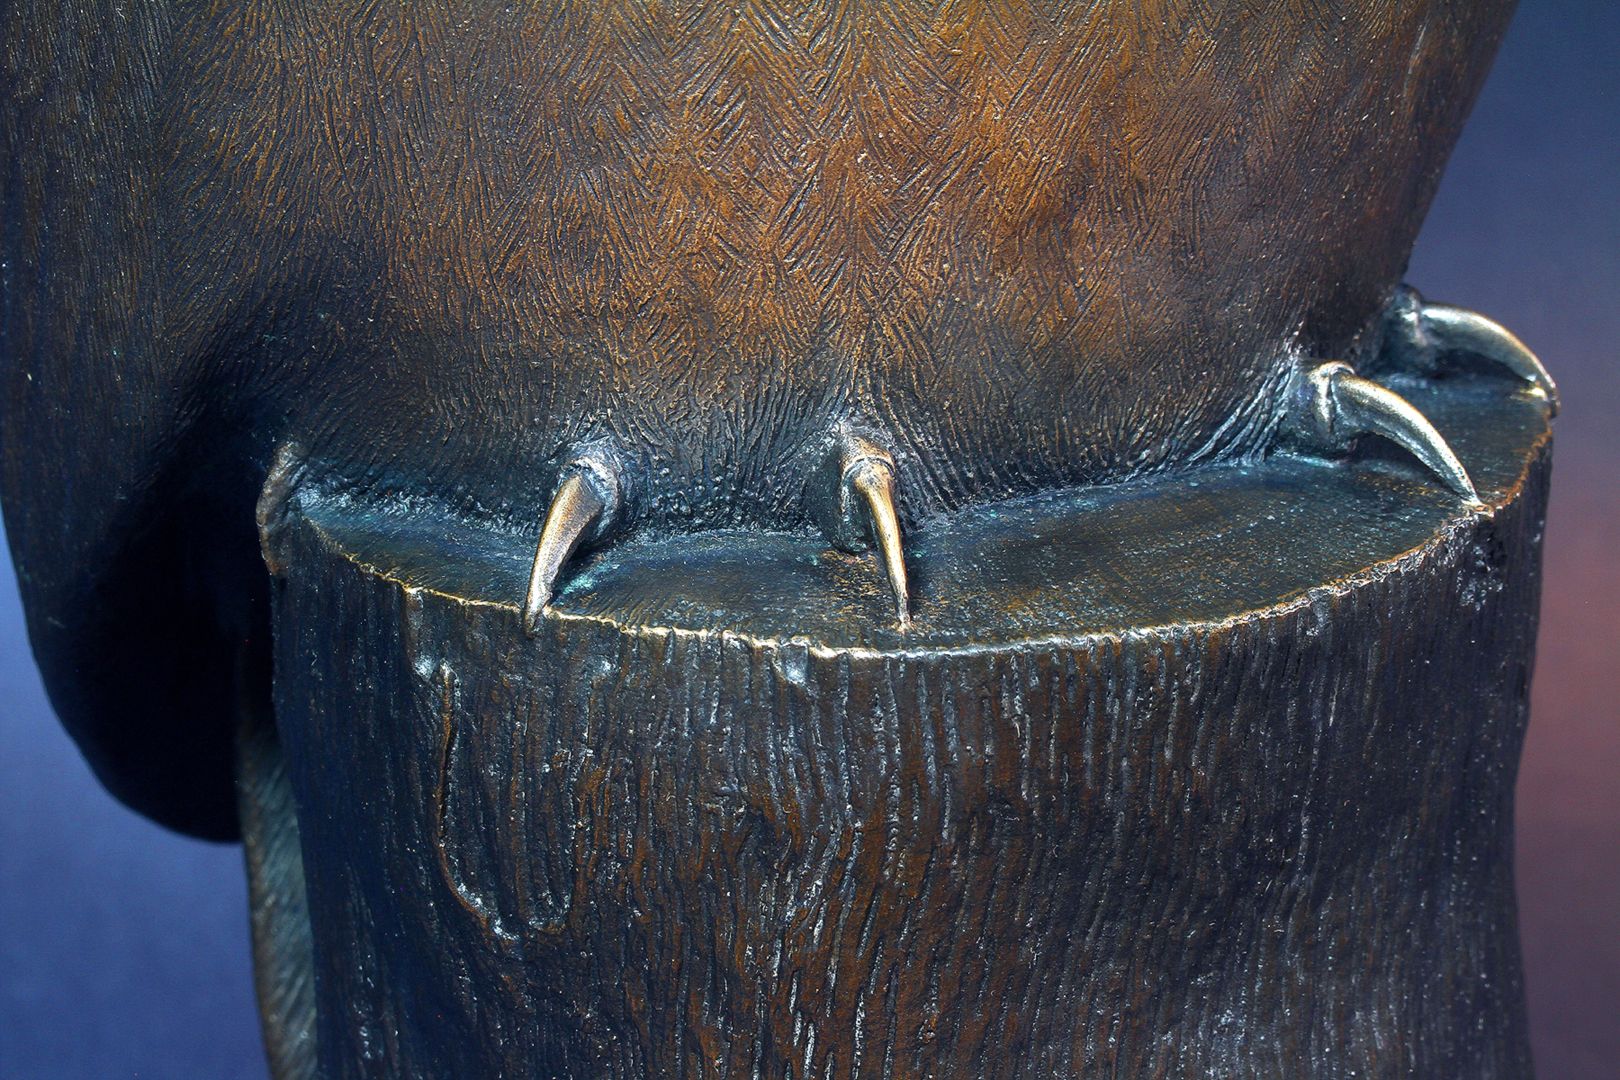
432, 287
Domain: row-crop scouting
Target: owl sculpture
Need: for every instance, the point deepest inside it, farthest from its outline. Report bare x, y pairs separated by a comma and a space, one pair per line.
592, 270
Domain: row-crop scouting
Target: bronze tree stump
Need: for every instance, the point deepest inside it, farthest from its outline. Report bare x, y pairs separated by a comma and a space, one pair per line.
1209, 777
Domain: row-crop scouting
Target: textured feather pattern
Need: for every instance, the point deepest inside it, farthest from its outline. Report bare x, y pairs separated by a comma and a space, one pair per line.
1038, 243
437, 246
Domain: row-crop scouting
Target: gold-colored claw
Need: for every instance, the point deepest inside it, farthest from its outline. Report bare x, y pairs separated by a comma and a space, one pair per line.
872, 481
584, 507
854, 500
1342, 406
1455, 329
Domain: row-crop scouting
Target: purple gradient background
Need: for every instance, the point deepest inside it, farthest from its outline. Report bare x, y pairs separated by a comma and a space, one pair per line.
123, 948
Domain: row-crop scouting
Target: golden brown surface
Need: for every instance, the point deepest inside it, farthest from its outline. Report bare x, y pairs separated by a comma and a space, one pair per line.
1034, 243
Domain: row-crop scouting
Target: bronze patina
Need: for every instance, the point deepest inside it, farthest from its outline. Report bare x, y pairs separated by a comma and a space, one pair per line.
870, 538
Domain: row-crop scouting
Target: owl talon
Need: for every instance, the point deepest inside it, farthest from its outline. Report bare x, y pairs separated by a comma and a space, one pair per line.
585, 507
1423, 331
854, 500
1340, 406
874, 483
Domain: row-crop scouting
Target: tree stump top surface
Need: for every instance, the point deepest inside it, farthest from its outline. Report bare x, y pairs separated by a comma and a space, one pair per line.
1201, 547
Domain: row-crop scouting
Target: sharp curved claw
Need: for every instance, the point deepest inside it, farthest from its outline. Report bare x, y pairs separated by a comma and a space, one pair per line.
584, 506
853, 498
873, 482
1343, 405
1455, 329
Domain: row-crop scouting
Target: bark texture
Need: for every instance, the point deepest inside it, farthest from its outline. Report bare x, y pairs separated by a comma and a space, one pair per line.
1268, 837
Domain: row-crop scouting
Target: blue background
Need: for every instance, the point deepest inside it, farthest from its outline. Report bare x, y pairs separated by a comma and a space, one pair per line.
123, 948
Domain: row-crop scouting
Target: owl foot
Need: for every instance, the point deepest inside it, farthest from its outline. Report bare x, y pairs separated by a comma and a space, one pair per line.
853, 499
585, 507
1418, 334
1337, 406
